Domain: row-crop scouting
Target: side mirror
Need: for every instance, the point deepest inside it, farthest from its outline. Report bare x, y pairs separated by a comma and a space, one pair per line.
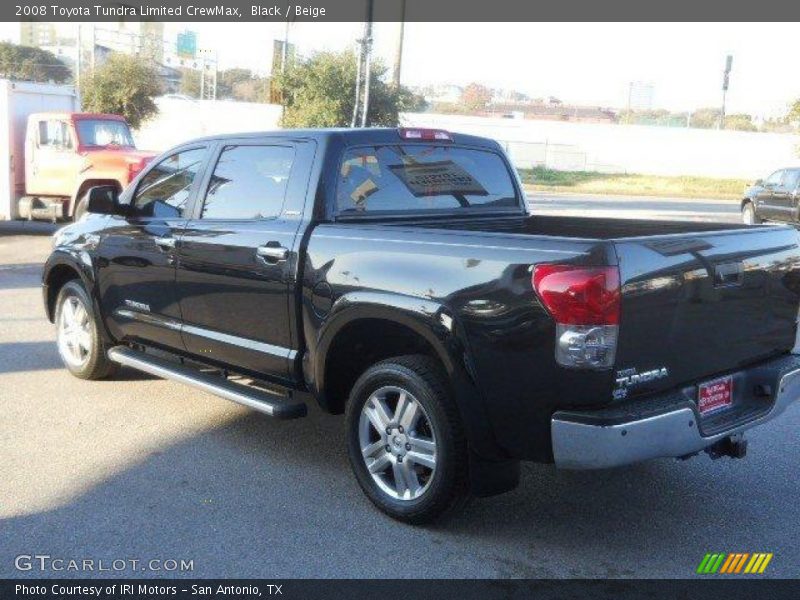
103, 200
759, 182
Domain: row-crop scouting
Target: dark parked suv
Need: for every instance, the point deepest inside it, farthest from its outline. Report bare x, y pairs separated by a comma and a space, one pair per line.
397, 276
773, 199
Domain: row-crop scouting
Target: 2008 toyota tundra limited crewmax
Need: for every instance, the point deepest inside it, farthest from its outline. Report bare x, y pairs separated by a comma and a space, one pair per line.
396, 276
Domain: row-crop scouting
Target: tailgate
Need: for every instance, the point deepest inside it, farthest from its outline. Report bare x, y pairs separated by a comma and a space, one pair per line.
696, 305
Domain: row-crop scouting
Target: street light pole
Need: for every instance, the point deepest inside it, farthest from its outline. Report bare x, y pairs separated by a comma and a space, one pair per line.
725, 83
367, 63
363, 70
398, 59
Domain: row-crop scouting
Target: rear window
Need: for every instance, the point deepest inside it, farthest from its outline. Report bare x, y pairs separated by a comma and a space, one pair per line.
421, 177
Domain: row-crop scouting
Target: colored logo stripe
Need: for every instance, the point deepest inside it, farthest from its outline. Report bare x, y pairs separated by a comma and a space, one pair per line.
734, 562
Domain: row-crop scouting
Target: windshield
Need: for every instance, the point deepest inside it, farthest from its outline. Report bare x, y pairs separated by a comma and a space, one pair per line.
103, 132
423, 177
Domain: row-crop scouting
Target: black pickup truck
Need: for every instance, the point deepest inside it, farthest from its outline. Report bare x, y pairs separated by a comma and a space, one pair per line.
398, 277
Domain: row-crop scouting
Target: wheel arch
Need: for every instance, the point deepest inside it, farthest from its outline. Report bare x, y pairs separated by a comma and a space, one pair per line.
378, 327
359, 321
59, 269
84, 186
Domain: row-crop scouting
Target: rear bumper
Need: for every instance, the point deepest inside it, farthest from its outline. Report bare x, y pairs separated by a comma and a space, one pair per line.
670, 425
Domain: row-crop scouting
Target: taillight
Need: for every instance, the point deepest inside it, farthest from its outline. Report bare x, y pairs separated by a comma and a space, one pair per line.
585, 304
428, 135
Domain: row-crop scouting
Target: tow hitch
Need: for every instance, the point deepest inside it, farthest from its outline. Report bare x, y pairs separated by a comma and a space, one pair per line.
734, 446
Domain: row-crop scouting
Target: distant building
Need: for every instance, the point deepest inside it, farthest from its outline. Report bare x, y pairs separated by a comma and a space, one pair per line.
640, 95
145, 38
97, 42
443, 93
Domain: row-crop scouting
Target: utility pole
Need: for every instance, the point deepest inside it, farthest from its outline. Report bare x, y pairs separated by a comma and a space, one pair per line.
78, 58
398, 58
725, 83
363, 70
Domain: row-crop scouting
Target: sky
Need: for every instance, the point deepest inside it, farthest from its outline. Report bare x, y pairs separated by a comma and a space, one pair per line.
585, 63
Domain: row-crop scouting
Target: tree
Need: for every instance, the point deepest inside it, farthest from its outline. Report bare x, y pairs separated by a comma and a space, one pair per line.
476, 96
740, 122
794, 112
319, 92
190, 82
25, 63
705, 118
124, 85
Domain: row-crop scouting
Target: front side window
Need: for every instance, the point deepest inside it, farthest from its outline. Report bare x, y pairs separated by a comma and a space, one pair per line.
103, 132
54, 134
423, 177
164, 190
249, 182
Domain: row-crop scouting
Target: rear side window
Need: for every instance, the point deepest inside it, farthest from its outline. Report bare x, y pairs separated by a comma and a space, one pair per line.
790, 180
249, 182
423, 177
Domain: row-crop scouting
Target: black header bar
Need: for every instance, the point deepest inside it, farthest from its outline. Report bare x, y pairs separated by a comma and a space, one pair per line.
390, 10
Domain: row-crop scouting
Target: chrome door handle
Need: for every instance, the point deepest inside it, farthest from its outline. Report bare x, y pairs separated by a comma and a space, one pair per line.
165, 243
272, 253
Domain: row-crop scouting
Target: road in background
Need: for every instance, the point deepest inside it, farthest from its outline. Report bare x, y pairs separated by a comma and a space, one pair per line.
142, 468
635, 207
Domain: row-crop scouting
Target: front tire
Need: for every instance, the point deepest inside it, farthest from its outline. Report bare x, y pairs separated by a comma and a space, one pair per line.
80, 344
749, 216
405, 439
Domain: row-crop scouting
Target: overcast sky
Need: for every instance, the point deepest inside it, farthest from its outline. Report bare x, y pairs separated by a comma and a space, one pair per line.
588, 63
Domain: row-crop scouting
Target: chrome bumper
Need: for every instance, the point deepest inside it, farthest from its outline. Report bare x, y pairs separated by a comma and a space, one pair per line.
669, 434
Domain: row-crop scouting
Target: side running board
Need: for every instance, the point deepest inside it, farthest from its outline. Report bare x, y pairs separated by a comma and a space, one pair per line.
274, 405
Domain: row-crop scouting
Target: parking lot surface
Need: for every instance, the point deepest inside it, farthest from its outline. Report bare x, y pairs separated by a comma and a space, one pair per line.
140, 468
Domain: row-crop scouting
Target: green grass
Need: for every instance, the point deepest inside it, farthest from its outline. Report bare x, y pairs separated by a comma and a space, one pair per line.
541, 179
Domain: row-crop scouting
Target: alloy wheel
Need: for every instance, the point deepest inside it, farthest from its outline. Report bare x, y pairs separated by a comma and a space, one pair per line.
74, 332
397, 443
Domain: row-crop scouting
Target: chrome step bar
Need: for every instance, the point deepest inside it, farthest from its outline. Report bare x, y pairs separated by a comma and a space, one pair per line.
274, 405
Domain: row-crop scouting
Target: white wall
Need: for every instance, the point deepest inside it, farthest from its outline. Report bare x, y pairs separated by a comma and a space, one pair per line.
180, 119
556, 144
628, 148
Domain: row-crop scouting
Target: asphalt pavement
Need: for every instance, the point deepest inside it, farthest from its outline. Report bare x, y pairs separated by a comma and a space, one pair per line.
142, 469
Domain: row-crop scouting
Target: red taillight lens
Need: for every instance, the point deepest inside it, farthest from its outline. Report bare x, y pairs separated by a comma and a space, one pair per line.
579, 295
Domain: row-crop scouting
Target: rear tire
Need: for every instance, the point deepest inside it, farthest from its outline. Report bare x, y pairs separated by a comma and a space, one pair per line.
749, 216
80, 344
405, 440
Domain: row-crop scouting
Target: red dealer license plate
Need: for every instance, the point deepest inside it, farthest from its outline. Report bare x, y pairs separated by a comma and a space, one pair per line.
715, 394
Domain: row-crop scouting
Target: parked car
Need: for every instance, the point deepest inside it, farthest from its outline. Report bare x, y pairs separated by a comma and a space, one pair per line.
773, 199
396, 276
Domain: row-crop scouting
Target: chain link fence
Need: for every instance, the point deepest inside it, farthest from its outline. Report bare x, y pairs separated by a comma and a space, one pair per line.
560, 157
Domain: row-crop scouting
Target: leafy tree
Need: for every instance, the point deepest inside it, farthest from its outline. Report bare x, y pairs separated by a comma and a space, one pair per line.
794, 111
190, 82
123, 85
476, 96
25, 63
320, 91
740, 122
705, 118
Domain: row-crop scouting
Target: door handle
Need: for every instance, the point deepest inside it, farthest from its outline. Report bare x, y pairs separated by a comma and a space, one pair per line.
272, 253
165, 243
